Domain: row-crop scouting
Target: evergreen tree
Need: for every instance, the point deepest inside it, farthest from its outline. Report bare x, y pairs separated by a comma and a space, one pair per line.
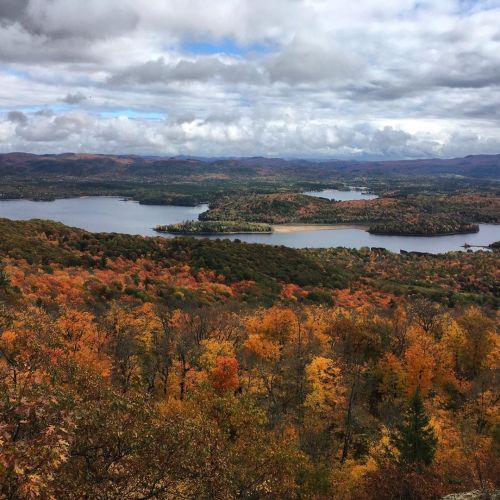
415, 439
4, 279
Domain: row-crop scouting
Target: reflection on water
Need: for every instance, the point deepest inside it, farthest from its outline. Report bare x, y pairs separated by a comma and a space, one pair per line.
106, 214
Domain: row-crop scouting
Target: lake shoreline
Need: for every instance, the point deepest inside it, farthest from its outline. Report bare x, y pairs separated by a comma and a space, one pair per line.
298, 228
111, 215
212, 233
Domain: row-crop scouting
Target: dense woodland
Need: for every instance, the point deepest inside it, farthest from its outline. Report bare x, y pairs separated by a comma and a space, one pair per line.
143, 368
191, 181
408, 215
214, 227
156, 180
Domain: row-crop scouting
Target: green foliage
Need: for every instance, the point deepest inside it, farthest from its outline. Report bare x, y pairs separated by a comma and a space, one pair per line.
455, 278
411, 215
177, 180
4, 279
415, 439
214, 227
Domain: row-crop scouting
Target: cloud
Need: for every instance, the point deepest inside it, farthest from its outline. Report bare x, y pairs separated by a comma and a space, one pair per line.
235, 135
47, 127
75, 98
399, 77
311, 62
17, 117
199, 69
11, 10
92, 19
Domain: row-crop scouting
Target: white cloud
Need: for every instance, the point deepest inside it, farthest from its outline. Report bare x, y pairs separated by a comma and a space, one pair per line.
251, 135
293, 77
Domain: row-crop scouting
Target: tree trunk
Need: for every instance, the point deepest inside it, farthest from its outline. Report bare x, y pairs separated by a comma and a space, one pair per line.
348, 420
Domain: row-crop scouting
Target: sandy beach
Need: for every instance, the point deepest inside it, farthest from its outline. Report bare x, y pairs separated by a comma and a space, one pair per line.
296, 228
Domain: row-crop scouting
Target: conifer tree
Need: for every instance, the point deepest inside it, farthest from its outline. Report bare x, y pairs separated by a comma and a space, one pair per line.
415, 439
4, 279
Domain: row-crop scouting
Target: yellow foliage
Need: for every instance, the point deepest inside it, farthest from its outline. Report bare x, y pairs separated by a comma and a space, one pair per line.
393, 382
279, 324
212, 349
348, 478
326, 386
420, 363
262, 347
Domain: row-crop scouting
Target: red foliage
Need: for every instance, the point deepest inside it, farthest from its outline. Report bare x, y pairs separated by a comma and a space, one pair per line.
224, 377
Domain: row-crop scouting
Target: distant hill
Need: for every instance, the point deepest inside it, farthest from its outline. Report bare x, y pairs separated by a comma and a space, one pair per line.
184, 180
116, 167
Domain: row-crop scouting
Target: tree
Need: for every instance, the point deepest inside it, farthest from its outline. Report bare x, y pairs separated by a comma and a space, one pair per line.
4, 279
479, 333
426, 314
355, 339
420, 363
276, 352
224, 377
415, 439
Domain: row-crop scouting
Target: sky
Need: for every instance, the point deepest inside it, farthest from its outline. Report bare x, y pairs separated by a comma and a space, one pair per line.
362, 79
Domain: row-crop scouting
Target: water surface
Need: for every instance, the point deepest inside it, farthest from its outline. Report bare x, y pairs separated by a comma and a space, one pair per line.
334, 194
357, 238
101, 213
109, 214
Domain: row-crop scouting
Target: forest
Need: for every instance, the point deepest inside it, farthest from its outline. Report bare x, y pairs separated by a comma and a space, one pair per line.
135, 367
420, 215
191, 181
214, 227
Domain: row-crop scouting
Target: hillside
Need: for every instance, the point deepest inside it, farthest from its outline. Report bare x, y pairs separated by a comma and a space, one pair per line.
131, 166
189, 181
136, 367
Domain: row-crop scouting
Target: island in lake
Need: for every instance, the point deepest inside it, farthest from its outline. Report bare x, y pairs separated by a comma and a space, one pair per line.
411, 215
214, 227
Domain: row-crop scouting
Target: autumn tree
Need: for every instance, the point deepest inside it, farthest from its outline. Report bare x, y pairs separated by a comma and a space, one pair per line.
478, 341
123, 346
35, 425
356, 340
426, 314
276, 352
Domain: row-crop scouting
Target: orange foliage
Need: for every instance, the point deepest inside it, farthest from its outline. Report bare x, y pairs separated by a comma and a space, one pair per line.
224, 377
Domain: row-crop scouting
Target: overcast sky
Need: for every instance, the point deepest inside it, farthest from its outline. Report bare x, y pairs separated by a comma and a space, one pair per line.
301, 78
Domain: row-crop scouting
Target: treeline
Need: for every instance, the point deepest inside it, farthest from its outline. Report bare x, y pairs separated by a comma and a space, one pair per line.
427, 227
214, 227
191, 181
153, 180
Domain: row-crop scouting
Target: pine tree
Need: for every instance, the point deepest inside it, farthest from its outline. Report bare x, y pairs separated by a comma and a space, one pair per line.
4, 279
415, 439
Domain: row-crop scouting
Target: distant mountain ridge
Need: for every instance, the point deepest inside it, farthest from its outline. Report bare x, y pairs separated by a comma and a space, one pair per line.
104, 166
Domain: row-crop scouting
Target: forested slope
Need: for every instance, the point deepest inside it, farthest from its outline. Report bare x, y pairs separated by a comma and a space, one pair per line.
141, 368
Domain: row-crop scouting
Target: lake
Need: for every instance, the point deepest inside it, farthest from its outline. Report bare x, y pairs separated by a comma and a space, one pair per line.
101, 213
334, 194
108, 214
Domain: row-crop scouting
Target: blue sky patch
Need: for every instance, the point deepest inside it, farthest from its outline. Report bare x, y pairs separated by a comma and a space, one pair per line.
226, 46
130, 113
